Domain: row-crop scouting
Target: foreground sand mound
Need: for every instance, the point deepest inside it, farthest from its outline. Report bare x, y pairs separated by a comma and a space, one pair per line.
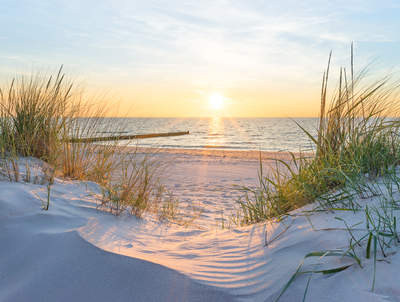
76, 252
43, 258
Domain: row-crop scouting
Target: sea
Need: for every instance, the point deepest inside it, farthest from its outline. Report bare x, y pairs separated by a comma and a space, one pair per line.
265, 134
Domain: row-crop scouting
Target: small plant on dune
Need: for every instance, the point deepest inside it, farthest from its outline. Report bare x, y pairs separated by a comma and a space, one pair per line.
9, 169
169, 208
133, 187
375, 236
358, 137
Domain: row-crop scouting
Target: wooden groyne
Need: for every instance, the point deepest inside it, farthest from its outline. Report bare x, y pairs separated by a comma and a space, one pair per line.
124, 137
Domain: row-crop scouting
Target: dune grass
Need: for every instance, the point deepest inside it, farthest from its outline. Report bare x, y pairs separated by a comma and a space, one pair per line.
356, 156
39, 116
33, 112
358, 139
374, 237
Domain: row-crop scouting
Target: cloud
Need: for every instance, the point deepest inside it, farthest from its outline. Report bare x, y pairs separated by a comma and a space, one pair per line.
220, 41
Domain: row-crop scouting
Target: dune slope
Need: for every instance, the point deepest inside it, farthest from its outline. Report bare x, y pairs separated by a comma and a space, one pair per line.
43, 258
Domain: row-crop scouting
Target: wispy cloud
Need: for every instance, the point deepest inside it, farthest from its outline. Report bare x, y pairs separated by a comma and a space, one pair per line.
200, 43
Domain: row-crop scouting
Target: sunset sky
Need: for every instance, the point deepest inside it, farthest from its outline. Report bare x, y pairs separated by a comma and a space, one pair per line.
196, 58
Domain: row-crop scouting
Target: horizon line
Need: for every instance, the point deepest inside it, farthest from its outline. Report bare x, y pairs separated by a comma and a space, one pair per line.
249, 117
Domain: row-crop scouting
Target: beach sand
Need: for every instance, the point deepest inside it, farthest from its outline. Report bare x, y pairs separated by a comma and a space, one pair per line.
76, 252
211, 179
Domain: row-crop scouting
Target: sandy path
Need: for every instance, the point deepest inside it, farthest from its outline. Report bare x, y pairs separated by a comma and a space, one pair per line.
210, 179
210, 183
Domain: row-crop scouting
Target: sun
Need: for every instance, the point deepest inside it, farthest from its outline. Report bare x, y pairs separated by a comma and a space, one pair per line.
216, 101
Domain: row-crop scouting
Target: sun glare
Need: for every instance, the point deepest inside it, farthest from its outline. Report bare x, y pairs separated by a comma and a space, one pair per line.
216, 101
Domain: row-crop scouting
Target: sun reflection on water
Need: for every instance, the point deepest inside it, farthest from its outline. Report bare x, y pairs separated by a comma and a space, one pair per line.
215, 132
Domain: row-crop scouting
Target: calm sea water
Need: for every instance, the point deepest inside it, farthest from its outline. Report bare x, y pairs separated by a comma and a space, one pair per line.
267, 134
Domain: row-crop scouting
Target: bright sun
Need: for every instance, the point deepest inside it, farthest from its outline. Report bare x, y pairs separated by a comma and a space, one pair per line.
216, 101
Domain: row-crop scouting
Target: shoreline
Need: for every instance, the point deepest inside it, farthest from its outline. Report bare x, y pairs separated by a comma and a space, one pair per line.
237, 154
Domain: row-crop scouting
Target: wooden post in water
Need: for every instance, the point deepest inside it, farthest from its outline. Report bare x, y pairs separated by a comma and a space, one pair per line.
124, 137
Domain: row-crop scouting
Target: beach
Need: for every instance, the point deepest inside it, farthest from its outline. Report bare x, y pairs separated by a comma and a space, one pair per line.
76, 250
199, 151
211, 179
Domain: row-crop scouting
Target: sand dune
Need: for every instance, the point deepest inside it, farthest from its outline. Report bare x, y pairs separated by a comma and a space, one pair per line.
74, 251
44, 258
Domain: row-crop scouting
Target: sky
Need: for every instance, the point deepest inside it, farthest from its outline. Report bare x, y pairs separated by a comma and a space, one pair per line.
176, 58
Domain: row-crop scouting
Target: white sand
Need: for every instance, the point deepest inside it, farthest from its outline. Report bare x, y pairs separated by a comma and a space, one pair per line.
75, 252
